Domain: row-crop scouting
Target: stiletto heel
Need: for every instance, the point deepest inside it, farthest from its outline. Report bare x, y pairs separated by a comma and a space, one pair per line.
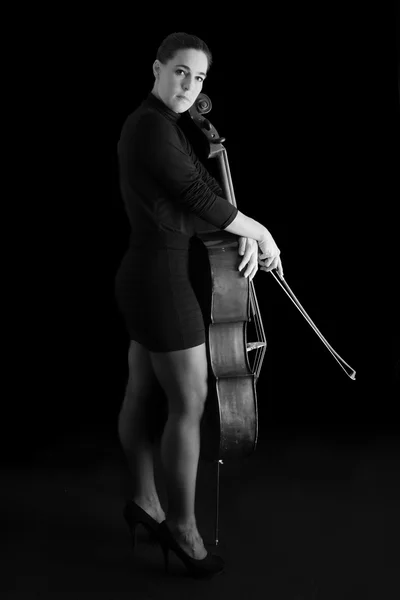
206, 567
134, 515
165, 550
132, 531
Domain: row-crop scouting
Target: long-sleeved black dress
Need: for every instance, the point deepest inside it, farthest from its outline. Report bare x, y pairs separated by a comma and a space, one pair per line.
165, 188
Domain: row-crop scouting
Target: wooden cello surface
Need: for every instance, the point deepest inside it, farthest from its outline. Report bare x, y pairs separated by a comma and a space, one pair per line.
229, 427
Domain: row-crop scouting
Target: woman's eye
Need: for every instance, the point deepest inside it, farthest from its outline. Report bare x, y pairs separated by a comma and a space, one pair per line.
181, 72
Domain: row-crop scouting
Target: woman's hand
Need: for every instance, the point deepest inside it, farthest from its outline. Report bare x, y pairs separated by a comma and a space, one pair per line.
276, 264
248, 248
264, 254
269, 257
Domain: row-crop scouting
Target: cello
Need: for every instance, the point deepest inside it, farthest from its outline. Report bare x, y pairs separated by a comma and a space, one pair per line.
236, 342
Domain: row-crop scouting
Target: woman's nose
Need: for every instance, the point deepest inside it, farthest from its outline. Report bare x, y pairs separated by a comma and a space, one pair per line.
187, 83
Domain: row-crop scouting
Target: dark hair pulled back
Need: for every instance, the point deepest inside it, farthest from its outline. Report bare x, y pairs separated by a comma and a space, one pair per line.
181, 41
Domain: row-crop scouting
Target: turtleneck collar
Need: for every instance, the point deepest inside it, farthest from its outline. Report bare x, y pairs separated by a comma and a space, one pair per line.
159, 105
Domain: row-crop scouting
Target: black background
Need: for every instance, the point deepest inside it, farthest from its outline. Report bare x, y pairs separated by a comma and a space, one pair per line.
307, 100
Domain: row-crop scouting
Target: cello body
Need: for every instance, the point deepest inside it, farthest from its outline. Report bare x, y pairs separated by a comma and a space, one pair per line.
229, 426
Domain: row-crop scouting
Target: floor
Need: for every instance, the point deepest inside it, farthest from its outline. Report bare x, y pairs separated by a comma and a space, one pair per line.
307, 516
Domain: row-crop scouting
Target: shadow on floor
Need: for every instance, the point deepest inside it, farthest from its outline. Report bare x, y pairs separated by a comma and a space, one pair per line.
305, 517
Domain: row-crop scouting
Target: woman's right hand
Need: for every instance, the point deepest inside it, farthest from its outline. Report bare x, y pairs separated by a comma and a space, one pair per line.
269, 255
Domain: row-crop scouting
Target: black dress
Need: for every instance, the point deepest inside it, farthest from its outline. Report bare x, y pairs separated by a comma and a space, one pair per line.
166, 192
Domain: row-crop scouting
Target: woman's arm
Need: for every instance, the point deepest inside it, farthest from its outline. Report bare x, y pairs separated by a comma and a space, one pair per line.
159, 153
247, 227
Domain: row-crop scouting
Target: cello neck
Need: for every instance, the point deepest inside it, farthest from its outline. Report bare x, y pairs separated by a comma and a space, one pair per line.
226, 179
197, 111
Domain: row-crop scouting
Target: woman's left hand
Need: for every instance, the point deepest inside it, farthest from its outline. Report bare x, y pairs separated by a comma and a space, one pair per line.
248, 248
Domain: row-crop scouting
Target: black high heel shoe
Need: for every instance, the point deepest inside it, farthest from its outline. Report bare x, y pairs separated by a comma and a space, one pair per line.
206, 567
134, 515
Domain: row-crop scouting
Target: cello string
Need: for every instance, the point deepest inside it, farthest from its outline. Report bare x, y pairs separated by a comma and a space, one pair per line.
257, 325
254, 319
227, 177
263, 338
257, 354
260, 352
258, 314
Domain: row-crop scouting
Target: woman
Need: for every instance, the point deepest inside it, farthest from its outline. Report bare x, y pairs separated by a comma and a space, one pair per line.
165, 188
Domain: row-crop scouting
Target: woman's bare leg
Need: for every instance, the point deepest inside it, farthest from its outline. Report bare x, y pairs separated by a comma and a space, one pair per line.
183, 376
134, 428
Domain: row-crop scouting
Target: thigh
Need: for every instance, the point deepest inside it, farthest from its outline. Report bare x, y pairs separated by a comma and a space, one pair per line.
183, 375
142, 381
144, 399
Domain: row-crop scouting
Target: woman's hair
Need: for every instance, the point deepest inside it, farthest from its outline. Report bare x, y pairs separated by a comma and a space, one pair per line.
181, 41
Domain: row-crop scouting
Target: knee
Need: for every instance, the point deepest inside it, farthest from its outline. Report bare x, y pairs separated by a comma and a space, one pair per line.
121, 424
194, 403
203, 393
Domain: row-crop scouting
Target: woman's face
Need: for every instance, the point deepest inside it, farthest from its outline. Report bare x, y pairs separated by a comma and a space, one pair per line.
179, 82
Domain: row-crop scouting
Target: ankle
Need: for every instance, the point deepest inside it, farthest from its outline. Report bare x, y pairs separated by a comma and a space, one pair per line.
181, 524
146, 501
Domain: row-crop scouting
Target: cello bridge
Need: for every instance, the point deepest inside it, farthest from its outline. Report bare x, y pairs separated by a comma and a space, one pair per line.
254, 345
